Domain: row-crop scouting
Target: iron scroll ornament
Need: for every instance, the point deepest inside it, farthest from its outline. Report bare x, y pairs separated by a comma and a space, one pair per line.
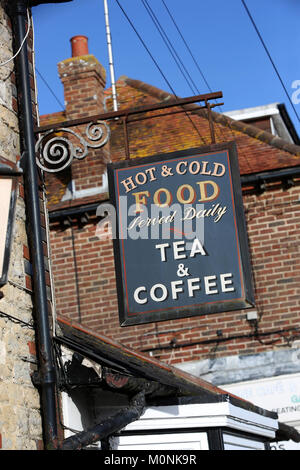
55, 154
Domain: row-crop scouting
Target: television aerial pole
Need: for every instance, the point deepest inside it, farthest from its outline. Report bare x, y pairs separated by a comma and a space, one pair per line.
110, 56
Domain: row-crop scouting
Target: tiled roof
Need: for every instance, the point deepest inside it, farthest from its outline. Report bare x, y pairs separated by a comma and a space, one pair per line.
53, 118
258, 151
222, 119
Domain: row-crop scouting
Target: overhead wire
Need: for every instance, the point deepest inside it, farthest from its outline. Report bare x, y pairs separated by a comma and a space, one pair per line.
2, 64
186, 45
144, 45
192, 56
173, 53
220, 128
269, 56
50, 89
53, 93
200, 71
177, 59
157, 65
271, 60
187, 76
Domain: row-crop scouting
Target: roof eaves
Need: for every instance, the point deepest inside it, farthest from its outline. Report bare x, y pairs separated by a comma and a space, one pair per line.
288, 122
102, 349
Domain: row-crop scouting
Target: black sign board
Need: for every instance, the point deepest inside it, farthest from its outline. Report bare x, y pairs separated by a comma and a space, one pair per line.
181, 243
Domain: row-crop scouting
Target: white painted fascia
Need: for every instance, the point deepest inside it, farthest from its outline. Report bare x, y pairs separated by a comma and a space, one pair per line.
252, 113
205, 415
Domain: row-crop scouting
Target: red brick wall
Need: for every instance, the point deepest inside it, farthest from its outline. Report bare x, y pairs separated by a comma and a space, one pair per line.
82, 293
273, 220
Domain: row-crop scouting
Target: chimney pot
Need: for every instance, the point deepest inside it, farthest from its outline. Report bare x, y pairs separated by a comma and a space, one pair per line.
79, 46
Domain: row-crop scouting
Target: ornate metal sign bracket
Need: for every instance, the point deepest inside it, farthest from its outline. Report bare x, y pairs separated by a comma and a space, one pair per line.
55, 151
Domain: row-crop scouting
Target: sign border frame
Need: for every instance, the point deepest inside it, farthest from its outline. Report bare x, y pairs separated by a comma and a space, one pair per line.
247, 301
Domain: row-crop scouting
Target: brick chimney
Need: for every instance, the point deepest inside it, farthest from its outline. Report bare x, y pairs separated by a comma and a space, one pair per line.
84, 79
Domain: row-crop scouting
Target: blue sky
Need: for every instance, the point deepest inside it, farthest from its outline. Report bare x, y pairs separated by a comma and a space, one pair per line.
219, 33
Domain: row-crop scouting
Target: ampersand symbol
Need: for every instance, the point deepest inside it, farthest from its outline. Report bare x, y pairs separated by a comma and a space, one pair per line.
182, 271
165, 171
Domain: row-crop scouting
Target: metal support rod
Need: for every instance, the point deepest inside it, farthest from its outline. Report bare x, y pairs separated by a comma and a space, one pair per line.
46, 363
132, 111
211, 123
170, 113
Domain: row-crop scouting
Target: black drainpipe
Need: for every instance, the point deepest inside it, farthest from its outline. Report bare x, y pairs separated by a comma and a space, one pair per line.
46, 376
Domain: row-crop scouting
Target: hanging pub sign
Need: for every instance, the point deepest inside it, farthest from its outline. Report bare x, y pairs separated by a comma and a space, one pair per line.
180, 244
